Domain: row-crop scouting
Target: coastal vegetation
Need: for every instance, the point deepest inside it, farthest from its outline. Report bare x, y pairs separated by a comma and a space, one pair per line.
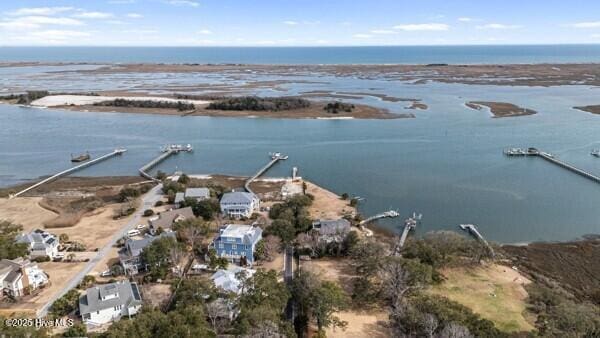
9, 248
338, 107
290, 218
154, 104
255, 103
501, 109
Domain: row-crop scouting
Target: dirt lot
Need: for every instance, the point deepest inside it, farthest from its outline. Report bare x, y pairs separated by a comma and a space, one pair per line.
360, 324
25, 211
573, 264
327, 205
156, 294
495, 292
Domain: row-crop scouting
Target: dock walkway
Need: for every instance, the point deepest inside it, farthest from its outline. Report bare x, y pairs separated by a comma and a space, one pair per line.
274, 159
472, 229
550, 158
69, 171
167, 152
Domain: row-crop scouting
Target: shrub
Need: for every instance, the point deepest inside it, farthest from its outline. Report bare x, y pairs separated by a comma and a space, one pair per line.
148, 212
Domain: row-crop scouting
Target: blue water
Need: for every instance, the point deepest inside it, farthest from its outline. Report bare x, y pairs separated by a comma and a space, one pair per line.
312, 55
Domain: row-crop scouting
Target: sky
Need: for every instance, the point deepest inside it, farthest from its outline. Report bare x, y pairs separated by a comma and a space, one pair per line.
297, 22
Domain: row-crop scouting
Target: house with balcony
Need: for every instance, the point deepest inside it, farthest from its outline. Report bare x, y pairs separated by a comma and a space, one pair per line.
20, 277
332, 230
166, 219
237, 242
238, 204
109, 302
40, 243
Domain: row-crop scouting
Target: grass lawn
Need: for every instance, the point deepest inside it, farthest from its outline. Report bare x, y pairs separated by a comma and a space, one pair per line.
495, 292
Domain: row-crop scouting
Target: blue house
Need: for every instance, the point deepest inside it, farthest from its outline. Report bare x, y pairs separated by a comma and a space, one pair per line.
237, 242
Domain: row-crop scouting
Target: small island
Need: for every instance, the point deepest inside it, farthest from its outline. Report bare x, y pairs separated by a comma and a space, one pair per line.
501, 109
594, 109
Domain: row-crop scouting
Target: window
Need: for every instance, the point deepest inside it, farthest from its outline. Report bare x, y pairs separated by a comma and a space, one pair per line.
234, 246
221, 245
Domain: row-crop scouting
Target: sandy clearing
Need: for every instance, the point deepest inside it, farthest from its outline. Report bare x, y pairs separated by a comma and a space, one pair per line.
327, 205
361, 324
496, 292
25, 211
81, 100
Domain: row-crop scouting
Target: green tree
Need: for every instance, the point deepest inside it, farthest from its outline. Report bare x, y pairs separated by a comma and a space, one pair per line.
9, 248
20, 331
157, 256
183, 179
77, 330
65, 304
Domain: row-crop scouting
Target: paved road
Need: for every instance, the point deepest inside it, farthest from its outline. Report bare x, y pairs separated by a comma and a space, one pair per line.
148, 202
288, 277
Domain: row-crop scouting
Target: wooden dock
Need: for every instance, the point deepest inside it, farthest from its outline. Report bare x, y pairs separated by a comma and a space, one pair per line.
167, 152
472, 229
69, 171
274, 159
552, 159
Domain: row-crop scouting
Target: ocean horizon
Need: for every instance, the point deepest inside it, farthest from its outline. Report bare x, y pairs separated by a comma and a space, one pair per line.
455, 54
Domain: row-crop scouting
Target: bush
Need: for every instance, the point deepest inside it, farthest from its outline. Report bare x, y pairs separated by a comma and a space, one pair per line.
65, 304
338, 107
148, 212
179, 105
159, 203
255, 103
41, 259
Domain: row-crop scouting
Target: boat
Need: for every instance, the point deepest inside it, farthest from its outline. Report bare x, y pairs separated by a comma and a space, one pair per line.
177, 148
278, 155
595, 152
80, 158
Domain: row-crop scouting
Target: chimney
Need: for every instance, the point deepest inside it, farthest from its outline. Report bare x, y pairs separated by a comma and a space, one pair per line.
25, 280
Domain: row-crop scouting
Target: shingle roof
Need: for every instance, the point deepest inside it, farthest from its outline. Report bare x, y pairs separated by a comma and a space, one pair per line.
165, 219
134, 247
197, 192
237, 197
332, 227
128, 294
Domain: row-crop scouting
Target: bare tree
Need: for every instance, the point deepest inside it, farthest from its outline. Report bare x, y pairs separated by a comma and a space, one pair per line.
218, 313
430, 324
272, 247
453, 330
267, 329
175, 256
309, 240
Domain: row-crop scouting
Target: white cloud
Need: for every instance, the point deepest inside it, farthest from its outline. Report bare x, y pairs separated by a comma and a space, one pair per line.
205, 32
591, 24
183, 3
498, 26
423, 27
383, 31
595, 36
39, 11
34, 21
93, 15
54, 34
465, 19
134, 15
362, 36
141, 31
121, 2
290, 23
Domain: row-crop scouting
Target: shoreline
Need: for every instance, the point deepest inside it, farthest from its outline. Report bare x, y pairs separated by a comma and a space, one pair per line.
81, 182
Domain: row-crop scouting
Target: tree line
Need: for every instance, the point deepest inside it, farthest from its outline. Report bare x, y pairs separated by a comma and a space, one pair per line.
255, 103
179, 105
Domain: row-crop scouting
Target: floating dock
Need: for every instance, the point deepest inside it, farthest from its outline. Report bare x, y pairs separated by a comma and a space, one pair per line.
275, 157
69, 171
472, 229
552, 159
166, 152
386, 214
409, 224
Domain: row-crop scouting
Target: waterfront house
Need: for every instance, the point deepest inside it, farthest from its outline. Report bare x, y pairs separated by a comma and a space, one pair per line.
237, 204
20, 277
198, 194
166, 219
227, 280
40, 243
237, 242
332, 230
105, 303
130, 254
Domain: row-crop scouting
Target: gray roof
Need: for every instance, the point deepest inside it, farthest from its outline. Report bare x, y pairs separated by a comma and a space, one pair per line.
134, 247
13, 276
248, 234
37, 239
165, 219
128, 294
332, 227
197, 192
237, 197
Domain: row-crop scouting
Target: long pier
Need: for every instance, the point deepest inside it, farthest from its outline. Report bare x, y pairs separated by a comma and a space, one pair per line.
274, 159
386, 214
167, 151
550, 158
116, 152
472, 229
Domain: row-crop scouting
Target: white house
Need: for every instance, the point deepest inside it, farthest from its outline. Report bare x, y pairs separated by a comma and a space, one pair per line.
20, 277
239, 204
226, 280
40, 243
104, 303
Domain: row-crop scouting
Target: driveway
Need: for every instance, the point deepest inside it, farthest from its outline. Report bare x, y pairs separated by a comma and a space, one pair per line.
148, 202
